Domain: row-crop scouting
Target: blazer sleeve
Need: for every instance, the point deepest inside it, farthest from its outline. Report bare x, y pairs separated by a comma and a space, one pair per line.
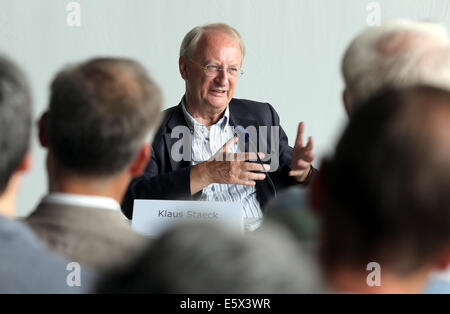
154, 184
281, 177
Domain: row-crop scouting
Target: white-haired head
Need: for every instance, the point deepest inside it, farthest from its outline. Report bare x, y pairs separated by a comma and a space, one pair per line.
399, 53
190, 41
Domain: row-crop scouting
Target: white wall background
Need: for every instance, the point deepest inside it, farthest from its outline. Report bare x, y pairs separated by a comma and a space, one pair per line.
294, 49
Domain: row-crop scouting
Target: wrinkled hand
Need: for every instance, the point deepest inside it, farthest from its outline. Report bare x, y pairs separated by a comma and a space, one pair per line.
302, 156
233, 168
227, 168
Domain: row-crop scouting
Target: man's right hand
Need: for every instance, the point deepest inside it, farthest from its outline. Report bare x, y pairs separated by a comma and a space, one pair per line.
226, 167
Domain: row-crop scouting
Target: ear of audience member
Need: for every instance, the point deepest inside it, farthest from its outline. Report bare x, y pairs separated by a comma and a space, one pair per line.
204, 258
25, 267
384, 193
98, 130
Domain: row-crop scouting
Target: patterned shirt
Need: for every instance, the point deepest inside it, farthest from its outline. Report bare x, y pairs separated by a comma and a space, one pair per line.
205, 143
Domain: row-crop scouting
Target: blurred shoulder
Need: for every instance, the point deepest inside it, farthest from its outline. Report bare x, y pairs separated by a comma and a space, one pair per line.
250, 104
244, 107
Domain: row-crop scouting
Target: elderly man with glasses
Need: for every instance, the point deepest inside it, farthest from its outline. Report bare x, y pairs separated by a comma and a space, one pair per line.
215, 167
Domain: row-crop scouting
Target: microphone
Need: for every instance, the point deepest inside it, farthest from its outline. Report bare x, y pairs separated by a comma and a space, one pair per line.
246, 135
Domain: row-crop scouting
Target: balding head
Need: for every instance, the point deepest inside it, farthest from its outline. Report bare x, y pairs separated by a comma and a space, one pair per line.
190, 41
398, 54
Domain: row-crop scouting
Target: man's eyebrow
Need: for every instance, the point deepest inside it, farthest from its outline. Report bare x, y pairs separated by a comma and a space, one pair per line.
215, 62
211, 62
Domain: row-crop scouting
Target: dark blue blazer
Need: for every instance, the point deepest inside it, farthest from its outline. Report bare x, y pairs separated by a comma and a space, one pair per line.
166, 179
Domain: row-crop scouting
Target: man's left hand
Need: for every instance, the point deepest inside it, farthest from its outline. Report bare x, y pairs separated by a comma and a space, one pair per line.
302, 156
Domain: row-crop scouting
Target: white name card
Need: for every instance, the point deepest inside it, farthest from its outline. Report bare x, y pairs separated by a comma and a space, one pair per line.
153, 217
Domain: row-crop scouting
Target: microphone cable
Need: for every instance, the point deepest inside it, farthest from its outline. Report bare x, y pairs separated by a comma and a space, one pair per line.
247, 140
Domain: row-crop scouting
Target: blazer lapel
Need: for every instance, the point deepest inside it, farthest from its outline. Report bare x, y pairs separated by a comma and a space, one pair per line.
237, 120
177, 119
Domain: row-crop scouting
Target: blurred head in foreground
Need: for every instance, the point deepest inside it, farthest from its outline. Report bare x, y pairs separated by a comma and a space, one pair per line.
397, 54
15, 126
210, 259
100, 122
384, 196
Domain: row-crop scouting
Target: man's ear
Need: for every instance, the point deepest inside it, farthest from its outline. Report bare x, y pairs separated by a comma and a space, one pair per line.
26, 164
140, 162
346, 102
443, 261
182, 64
42, 132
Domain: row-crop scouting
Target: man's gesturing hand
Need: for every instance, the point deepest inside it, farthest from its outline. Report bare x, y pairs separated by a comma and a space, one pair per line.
302, 156
227, 168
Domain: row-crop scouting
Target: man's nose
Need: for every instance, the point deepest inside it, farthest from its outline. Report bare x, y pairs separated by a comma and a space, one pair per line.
222, 77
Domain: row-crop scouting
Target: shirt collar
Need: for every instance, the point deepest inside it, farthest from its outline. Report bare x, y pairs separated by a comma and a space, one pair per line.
82, 200
192, 123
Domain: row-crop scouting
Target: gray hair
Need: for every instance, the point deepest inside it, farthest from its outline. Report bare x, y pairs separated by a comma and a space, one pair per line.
399, 53
202, 258
401, 174
190, 41
15, 119
101, 113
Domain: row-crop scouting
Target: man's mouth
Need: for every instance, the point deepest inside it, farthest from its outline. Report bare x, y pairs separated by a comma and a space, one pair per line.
218, 91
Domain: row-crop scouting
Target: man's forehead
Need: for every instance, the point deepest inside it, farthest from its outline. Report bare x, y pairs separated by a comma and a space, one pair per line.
215, 44
212, 33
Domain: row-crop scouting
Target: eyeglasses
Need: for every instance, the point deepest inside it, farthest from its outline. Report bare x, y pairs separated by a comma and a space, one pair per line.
213, 70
